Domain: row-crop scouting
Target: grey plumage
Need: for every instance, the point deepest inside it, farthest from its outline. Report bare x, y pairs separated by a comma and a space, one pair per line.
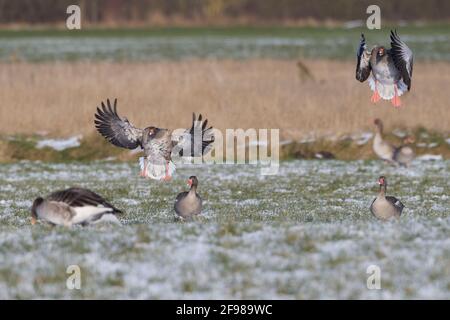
385, 207
389, 70
72, 206
404, 154
189, 203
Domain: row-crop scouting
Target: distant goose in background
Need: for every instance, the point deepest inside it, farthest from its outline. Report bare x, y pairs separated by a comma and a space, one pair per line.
383, 149
404, 154
73, 206
189, 203
157, 143
389, 70
385, 207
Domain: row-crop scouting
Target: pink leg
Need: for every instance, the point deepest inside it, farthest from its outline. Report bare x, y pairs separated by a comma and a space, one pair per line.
144, 171
376, 96
167, 176
396, 99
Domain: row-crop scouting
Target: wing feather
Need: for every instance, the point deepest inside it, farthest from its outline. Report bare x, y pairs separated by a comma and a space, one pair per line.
403, 58
120, 132
363, 67
197, 140
79, 197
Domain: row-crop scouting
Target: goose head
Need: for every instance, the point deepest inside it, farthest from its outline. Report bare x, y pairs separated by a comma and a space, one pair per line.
382, 181
192, 182
34, 207
151, 132
379, 124
380, 53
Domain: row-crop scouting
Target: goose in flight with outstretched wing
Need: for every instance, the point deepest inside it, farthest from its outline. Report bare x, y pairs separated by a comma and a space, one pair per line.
389, 70
158, 144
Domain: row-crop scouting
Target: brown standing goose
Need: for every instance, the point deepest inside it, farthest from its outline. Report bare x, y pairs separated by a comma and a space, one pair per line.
189, 203
72, 206
385, 207
404, 154
383, 149
158, 144
389, 70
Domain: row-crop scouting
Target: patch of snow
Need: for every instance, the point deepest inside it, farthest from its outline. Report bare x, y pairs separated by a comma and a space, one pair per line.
421, 145
399, 133
287, 142
426, 157
353, 24
362, 138
136, 150
60, 144
258, 143
307, 140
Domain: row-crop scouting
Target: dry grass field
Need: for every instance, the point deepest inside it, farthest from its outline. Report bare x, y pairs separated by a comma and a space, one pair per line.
60, 98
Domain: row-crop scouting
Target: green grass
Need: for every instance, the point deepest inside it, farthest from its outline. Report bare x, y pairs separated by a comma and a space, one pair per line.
304, 233
427, 41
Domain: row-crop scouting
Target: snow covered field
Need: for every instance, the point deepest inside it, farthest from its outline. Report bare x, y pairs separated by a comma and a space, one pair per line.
304, 233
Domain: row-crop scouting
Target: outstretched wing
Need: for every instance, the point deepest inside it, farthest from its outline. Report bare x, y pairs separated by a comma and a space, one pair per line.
120, 132
363, 67
197, 140
79, 197
403, 58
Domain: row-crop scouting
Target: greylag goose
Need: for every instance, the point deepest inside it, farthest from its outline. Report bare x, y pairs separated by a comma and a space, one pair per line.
404, 154
383, 149
389, 70
72, 206
189, 203
385, 207
157, 143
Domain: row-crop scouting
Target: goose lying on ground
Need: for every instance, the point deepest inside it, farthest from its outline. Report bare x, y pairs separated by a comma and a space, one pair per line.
385, 207
389, 70
156, 142
73, 206
404, 154
383, 149
189, 203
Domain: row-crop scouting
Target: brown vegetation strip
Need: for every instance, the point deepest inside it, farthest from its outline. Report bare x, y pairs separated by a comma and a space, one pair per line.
60, 98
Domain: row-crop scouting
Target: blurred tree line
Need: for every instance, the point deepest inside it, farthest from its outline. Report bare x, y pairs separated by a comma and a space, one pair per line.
98, 11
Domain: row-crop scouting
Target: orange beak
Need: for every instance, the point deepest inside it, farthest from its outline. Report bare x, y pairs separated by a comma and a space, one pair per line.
189, 182
33, 221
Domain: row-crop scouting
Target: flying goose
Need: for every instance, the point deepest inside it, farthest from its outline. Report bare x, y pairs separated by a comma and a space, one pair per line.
383, 149
389, 70
72, 206
404, 154
189, 203
385, 207
158, 144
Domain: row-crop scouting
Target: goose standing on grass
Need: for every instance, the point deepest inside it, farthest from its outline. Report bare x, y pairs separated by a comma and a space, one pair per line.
404, 154
189, 203
389, 70
157, 143
383, 149
73, 206
385, 207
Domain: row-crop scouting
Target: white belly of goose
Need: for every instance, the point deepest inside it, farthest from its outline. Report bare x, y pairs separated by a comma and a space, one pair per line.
87, 213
